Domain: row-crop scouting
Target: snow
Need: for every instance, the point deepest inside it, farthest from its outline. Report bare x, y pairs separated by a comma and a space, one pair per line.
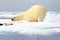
50, 25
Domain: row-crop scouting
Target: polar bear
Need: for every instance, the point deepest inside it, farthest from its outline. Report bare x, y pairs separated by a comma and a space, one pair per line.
36, 13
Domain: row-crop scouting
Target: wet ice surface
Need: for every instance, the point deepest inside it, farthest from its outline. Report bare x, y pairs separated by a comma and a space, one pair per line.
47, 30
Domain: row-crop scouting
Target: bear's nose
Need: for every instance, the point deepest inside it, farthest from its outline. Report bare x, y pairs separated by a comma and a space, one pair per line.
12, 19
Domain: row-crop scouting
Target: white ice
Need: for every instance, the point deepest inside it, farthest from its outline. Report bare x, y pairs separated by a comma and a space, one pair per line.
50, 25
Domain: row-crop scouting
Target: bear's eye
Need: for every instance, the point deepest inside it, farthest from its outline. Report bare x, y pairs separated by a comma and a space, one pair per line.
14, 17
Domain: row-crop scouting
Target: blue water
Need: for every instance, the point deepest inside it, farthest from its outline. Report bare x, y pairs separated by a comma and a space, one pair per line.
17, 36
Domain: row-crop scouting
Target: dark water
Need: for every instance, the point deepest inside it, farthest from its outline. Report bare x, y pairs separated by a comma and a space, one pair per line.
17, 36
